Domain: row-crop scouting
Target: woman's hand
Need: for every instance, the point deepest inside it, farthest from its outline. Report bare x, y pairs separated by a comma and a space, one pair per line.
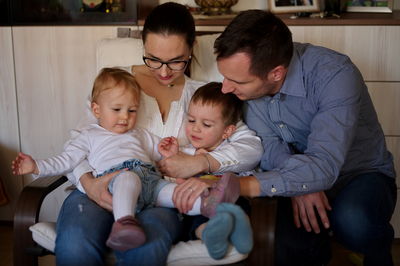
97, 188
187, 191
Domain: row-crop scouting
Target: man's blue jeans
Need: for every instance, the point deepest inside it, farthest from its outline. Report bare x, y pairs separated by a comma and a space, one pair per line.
360, 217
83, 228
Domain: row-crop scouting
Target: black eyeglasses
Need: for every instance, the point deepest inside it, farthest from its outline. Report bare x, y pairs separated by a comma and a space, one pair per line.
176, 65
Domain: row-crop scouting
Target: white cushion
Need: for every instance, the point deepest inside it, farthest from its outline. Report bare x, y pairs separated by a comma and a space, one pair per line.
119, 52
182, 254
204, 65
125, 52
44, 233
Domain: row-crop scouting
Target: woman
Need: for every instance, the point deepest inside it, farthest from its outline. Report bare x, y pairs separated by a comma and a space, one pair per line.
168, 38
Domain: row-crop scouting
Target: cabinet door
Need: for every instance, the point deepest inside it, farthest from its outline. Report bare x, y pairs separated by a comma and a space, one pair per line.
374, 49
55, 69
9, 141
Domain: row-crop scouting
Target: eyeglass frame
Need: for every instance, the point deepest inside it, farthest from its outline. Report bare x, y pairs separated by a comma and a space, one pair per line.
166, 63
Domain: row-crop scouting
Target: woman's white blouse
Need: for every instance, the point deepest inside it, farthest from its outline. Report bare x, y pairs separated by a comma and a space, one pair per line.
149, 116
243, 152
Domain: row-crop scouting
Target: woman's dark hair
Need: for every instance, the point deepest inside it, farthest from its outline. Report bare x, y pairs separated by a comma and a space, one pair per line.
170, 18
261, 35
211, 94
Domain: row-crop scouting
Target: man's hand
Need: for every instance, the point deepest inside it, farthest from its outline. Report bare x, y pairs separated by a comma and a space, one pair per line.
304, 211
183, 165
97, 189
187, 191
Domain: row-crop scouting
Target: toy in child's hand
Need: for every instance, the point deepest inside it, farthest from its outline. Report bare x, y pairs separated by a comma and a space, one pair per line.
210, 177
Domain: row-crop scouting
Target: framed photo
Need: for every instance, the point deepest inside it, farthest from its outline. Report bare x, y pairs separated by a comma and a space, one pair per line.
293, 6
376, 6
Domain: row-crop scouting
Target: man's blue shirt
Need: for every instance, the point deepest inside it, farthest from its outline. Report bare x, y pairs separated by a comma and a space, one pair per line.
320, 130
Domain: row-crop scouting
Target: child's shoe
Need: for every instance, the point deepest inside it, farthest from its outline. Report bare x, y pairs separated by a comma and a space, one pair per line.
227, 189
126, 233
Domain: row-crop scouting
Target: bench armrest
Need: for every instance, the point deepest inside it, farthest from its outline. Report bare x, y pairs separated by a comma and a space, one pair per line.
27, 214
262, 217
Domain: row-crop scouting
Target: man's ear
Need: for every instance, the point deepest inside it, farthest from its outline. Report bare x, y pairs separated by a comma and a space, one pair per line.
229, 130
277, 74
95, 109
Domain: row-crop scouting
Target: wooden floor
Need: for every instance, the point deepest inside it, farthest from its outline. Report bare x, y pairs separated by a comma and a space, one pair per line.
341, 257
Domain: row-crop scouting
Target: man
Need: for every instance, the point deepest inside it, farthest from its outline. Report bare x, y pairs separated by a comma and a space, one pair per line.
324, 147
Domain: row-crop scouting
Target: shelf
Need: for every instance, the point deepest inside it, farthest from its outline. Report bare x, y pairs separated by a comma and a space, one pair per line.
345, 19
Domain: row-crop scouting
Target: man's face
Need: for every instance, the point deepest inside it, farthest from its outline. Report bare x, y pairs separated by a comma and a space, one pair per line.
239, 81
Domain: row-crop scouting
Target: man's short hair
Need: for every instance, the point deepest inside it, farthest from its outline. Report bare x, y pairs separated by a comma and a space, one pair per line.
260, 34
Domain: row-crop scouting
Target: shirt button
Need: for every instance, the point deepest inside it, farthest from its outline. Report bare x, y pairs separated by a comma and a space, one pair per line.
273, 190
304, 186
281, 125
272, 101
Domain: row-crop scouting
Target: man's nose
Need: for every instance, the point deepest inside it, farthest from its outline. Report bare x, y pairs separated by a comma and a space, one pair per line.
227, 86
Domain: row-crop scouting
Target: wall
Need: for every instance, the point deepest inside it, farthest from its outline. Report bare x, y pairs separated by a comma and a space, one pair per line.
9, 137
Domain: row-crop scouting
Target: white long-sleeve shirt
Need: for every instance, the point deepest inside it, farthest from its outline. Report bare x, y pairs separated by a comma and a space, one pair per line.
103, 150
243, 153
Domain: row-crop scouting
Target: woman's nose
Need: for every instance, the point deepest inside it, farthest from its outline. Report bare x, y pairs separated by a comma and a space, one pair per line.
164, 70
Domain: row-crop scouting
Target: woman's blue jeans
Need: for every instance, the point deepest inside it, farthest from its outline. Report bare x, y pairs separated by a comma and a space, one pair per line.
360, 220
83, 228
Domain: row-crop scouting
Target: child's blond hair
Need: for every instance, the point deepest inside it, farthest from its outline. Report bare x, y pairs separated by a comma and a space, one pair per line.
109, 78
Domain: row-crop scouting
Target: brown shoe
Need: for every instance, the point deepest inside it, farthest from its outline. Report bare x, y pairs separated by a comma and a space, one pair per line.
227, 189
126, 233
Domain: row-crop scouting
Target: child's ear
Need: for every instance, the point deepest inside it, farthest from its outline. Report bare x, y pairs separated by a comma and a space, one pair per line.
229, 130
95, 109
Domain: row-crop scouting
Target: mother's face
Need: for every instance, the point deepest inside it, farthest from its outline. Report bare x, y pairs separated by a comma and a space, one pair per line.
166, 48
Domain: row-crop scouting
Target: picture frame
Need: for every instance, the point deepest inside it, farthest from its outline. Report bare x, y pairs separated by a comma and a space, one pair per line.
293, 6
373, 6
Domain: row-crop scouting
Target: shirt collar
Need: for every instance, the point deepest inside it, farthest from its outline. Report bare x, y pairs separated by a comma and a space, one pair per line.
294, 83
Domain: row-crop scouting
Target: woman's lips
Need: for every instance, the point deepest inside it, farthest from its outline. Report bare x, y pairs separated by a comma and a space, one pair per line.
165, 78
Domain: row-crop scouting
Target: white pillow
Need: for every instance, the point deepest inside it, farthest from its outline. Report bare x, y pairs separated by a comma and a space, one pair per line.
121, 52
204, 64
44, 233
192, 253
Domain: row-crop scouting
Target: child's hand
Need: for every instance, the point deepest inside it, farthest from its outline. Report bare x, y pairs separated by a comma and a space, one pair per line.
24, 164
168, 146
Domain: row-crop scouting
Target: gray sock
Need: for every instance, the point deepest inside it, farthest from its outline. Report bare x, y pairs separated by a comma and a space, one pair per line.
242, 235
216, 234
